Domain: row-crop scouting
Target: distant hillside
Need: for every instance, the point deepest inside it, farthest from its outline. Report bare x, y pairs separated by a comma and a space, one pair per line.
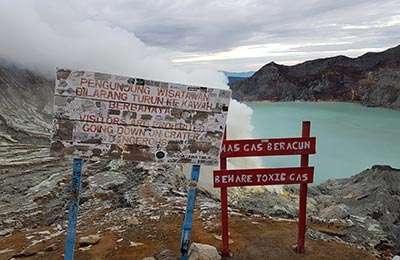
235, 76
26, 103
245, 74
372, 79
234, 79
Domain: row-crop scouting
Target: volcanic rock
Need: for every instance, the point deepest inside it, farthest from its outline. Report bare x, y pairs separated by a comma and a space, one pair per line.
165, 254
199, 251
26, 104
89, 240
370, 199
371, 79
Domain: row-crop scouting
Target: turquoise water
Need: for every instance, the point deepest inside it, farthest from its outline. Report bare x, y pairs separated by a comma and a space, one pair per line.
350, 137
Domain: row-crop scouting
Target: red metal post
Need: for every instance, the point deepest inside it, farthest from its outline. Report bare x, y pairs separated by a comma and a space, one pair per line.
224, 211
303, 196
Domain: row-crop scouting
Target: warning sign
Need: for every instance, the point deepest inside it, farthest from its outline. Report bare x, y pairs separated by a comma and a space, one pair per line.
105, 116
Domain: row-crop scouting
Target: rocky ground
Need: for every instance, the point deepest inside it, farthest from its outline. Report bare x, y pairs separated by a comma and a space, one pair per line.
136, 210
362, 210
26, 105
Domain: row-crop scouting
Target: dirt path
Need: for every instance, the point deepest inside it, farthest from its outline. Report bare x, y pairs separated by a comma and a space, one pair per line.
253, 239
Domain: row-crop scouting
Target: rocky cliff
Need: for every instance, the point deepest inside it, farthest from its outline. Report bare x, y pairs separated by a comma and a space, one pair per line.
372, 79
363, 210
26, 103
370, 199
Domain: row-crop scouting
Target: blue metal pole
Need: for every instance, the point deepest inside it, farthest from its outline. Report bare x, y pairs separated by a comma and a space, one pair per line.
73, 209
187, 223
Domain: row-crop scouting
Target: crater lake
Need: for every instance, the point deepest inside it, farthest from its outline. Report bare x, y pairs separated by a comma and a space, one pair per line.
350, 137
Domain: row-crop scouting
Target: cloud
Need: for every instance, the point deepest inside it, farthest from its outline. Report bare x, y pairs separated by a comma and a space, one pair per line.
41, 35
204, 26
180, 29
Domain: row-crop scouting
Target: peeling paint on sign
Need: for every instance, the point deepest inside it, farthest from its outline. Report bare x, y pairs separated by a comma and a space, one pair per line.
103, 116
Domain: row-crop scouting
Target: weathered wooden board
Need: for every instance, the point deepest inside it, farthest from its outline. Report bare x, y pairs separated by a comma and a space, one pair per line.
265, 176
106, 116
268, 147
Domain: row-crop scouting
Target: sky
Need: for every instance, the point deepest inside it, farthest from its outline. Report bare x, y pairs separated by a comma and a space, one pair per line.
194, 35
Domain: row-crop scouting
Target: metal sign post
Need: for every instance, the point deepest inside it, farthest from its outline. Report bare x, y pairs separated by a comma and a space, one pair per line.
73, 209
187, 223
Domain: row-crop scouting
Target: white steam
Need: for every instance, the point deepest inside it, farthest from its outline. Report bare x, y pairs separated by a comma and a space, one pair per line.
42, 35
240, 127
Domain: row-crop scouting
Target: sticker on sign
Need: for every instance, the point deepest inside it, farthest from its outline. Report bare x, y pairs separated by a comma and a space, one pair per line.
104, 116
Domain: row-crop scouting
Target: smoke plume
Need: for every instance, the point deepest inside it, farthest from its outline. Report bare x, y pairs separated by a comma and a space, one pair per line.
42, 35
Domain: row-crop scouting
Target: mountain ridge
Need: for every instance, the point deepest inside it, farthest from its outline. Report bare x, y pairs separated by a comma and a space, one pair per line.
371, 79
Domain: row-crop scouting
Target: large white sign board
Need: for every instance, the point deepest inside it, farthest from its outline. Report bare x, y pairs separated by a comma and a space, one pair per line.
103, 116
